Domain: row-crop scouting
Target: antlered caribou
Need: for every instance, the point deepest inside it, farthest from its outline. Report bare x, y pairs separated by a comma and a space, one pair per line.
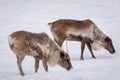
85, 31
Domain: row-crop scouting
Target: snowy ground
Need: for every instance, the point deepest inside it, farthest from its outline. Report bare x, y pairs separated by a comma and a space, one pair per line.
33, 15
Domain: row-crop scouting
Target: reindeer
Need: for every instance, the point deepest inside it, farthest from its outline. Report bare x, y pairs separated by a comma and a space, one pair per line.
85, 31
41, 47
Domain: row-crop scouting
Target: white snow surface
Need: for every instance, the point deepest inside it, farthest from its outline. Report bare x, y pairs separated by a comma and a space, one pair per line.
34, 15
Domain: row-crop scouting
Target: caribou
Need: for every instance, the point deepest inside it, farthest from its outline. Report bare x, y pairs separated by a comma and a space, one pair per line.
41, 47
85, 31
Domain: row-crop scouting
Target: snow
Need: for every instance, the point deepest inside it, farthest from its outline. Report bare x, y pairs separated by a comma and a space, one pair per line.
33, 15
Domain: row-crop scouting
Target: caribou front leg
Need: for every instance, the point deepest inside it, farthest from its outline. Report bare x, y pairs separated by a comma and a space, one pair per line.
36, 64
89, 47
44, 61
82, 49
59, 41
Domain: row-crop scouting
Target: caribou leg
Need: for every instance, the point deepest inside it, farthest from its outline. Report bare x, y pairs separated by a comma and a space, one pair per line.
36, 64
82, 49
90, 49
19, 62
59, 42
44, 62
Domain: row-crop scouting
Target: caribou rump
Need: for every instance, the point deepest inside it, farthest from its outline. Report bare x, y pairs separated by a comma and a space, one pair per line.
85, 31
41, 47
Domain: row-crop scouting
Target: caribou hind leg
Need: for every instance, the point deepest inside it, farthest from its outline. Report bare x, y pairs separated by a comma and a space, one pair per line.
19, 63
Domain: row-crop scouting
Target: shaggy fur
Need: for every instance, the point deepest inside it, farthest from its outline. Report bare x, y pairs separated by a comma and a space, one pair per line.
40, 46
85, 31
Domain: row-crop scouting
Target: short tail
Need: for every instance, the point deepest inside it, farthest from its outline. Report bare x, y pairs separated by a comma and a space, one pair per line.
50, 24
11, 40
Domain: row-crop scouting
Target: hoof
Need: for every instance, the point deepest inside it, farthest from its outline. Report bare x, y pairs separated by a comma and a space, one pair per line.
35, 71
94, 57
22, 74
81, 59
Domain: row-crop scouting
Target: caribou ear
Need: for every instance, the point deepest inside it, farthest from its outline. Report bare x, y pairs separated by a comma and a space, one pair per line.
62, 55
107, 39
